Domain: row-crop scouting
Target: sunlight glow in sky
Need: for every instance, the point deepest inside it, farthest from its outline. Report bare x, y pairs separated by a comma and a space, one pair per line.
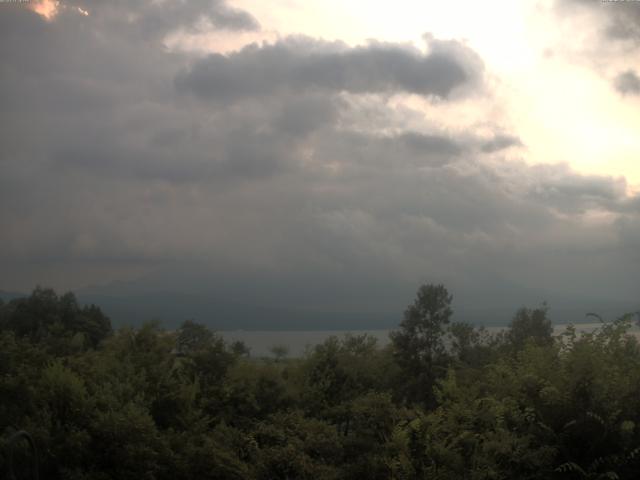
47, 8
562, 110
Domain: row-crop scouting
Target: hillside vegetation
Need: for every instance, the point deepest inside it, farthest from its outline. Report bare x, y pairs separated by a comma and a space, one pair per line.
442, 401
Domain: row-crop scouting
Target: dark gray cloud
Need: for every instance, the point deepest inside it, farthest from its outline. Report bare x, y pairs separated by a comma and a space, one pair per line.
299, 182
301, 64
431, 144
357, 151
568, 193
628, 83
500, 142
625, 21
150, 19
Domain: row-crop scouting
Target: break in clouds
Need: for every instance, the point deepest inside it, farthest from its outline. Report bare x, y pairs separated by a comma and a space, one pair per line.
297, 171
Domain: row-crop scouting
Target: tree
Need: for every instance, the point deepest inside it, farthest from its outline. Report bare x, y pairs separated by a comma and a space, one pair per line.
292, 445
464, 338
193, 337
56, 320
531, 325
418, 345
240, 349
279, 352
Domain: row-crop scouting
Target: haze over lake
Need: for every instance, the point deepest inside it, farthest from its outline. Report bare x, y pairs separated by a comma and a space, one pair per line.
297, 342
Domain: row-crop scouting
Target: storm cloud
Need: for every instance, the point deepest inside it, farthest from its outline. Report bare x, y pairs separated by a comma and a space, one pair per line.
284, 172
300, 64
628, 83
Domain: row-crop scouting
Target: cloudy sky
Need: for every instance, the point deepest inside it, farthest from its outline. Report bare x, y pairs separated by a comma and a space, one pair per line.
322, 153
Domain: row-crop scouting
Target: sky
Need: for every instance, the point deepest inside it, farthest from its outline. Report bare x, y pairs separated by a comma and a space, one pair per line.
326, 155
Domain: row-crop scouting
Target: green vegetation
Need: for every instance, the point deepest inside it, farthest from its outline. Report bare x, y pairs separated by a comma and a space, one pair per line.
442, 401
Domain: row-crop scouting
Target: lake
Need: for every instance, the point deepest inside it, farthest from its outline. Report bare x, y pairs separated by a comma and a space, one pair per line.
260, 342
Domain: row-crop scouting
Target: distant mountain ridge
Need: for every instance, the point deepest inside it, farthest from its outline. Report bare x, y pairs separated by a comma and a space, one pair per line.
172, 308
135, 306
8, 296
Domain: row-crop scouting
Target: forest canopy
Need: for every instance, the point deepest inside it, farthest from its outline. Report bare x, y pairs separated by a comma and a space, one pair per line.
443, 400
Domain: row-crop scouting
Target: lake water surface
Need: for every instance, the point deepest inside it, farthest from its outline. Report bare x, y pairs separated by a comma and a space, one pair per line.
260, 342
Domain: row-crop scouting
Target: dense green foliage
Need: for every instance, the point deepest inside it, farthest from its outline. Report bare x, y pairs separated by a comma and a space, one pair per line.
442, 401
